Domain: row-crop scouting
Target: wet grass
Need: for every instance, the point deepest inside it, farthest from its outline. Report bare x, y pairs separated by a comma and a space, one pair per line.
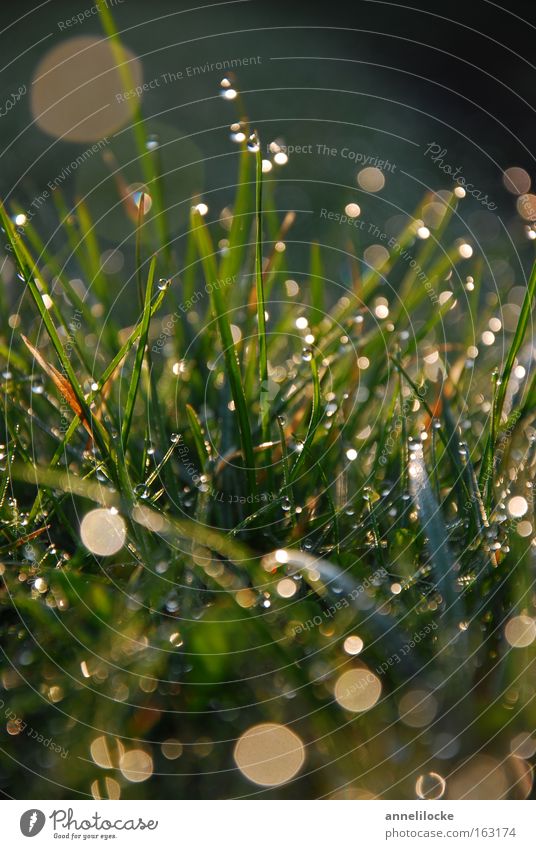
235, 412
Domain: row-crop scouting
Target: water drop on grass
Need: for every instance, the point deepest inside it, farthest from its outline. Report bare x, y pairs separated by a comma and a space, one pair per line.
253, 143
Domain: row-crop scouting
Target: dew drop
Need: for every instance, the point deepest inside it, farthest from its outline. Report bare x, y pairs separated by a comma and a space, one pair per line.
152, 142
253, 143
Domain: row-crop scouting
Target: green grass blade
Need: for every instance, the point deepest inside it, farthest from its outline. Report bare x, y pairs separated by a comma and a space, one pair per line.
314, 421
100, 434
261, 311
140, 355
486, 471
197, 433
207, 254
434, 528
317, 285
147, 161
232, 260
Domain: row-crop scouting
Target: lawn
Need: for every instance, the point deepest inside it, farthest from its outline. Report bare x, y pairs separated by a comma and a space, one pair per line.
266, 528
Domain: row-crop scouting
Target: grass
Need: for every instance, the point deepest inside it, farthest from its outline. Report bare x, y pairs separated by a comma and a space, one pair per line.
363, 445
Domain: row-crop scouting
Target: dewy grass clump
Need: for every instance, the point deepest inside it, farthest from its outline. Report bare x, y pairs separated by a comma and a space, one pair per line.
258, 537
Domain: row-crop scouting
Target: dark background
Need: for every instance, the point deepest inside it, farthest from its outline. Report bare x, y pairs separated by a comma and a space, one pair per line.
459, 74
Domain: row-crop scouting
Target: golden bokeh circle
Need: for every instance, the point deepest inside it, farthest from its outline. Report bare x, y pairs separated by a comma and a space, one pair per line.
78, 93
269, 754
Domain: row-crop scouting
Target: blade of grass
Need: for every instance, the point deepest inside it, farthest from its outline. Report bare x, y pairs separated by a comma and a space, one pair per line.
316, 276
100, 434
287, 488
206, 252
140, 355
314, 421
150, 173
197, 433
261, 316
232, 261
434, 527
486, 472
107, 374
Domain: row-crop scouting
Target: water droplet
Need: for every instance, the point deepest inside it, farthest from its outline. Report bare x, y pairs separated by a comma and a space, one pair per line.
141, 491
164, 283
175, 437
286, 505
307, 355
253, 143
152, 142
226, 91
237, 132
